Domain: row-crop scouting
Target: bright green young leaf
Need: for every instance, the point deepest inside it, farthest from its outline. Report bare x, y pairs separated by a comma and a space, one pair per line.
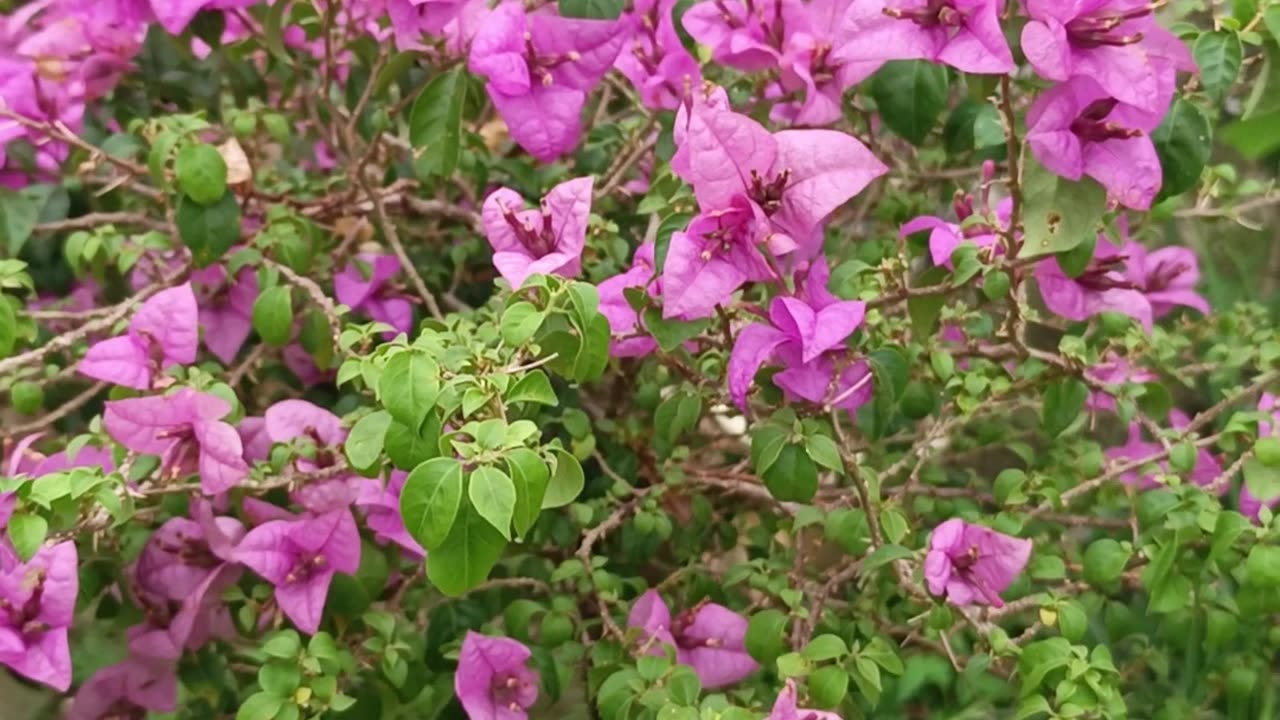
531, 477
364, 444
27, 533
534, 387
566, 481
408, 387
493, 495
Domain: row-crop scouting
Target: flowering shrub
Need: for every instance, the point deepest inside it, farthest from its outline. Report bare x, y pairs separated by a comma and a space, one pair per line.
829, 359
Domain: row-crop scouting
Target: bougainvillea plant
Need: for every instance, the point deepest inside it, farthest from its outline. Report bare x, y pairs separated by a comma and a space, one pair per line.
622, 359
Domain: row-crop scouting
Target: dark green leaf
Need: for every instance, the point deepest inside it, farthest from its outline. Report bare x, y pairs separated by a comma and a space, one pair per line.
793, 476
435, 123
671, 334
594, 9
1183, 141
1063, 403
910, 95
208, 230
1058, 214
766, 635
1218, 54
828, 686
466, 556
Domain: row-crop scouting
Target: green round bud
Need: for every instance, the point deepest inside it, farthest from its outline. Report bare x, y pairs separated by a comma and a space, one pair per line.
27, 397
556, 629
996, 285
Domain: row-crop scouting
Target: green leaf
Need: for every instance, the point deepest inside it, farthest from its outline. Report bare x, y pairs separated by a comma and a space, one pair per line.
828, 686
8, 326
494, 497
279, 678
201, 173
1104, 561
1262, 567
430, 499
824, 451
1183, 141
1063, 403
364, 444
260, 706
534, 387
435, 123
767, 442
671, 334
593, 9
1218, 54
284, 645
465, 558
793, 476
531, 477
1262, 480
407, 448
566, 482
409, 386
866, 675
27, 533
19, 213
1058, 214
883, 654
208, 230
1255, 137
766, 635
1072, 621
824, 647
911, 95
520, 322
273, 315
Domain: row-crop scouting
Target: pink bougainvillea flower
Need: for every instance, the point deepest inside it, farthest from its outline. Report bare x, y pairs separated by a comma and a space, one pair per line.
127, 689
37, 603
300, 557
545, 241
1114, 370
624, 322
798, 335
1118, 43
795, 178
162, 333
186, 430
712, 258
183, 552
1102, 287
381, 507
972, 564
540, 68
493, 681
784, 708
655, 61
812, 34
945, 237
254, 438
1206, 470
365, 285
1076, 129
741, 35
709, 638
1167, 276
226, 309
288, 420
303, 366
411, 19
964, 34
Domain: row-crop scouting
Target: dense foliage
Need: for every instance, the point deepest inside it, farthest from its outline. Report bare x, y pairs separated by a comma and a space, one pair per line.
651, 359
